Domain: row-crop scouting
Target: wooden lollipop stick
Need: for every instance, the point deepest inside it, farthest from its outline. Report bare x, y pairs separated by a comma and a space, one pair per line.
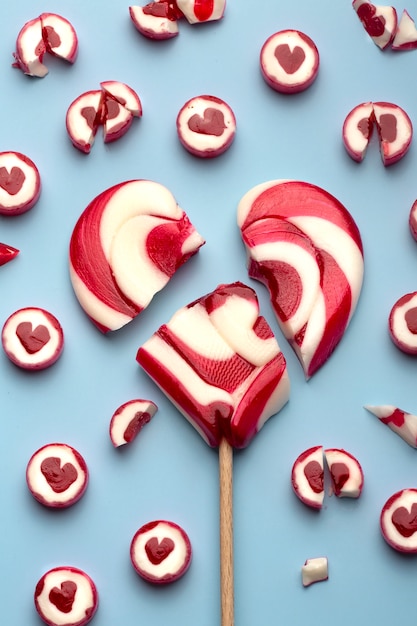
226, 533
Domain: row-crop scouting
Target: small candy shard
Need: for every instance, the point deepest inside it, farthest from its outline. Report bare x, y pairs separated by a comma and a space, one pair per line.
314, 570
7, 253
306, 248
219, 363
129, 419
398, 521
380, 22
20, 183
66, 596
402, 323
402, 423
161, 552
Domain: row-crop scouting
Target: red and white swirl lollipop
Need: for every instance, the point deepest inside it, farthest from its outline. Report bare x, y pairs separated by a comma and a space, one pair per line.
289, 61
398, 521
304, 245
20, 183
402, 323
66, 596
125, 247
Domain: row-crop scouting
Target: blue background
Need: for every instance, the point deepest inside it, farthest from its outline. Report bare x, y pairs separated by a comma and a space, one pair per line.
168, 472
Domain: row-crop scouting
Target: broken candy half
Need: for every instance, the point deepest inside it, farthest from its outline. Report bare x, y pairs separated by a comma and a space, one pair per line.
125, 247
220, 364
379, 21
304, 245
307, 477
129, 419
400, 422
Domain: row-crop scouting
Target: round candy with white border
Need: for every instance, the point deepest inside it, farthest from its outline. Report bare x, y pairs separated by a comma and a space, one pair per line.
57, 475
206, 126
160, 552
289, 61
402, 323
32, 338
398, 521
66, 596
20, 183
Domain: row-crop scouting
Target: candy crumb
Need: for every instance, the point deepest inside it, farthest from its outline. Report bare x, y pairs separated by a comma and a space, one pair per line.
314, 571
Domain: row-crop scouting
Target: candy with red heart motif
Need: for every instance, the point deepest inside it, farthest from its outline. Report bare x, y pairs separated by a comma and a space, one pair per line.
124, 95
206, 126
345, 473
32, 338
401, 422
402, 323
7, 253
48, 33
198, 11
129, 419
307, 477
406, 33
305, 246
161, 552
83, 119
357, 130
219, 362
398, 521
314, 571
380, 22
156, 20
66, 596
289, 61
125, 247
116, 120
57, 475
20, 183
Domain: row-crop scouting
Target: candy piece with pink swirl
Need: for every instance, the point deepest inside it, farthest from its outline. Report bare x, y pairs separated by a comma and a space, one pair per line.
304, 245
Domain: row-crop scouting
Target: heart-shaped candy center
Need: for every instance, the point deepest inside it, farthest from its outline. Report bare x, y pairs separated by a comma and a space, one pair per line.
58, 478
374, 24
90, 116
32, 339
157, 551
212, 122
313, 471
411, 320
289, 60
405, 521
388, 127
63, 597
340, 474
12, 181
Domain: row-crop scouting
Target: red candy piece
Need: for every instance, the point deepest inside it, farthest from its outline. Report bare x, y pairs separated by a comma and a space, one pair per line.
7, 253
20, 183
402, 323
307, 477
57, 475
398, 521
66, 596
161, 552
129, 419
198, 11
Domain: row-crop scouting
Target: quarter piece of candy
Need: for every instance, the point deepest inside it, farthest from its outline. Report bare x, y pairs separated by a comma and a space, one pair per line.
307, 477
125, 247
20, 183
304, 245
32, 338
345, 473
66, 596
156, 20
401, 422
49, 33
83, 119
406, 33
161, 552
206, 126
198, 11
314, 571
398, 521
220, 364
289, 61
57, 475
7, 253
379, 21
402, 323
129, 419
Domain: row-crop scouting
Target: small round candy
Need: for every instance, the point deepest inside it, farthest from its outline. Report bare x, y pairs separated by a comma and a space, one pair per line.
160, 552
206, 126
32, 338
289, 61
398, 521
66, 596
20, 183
57, 475
402, 323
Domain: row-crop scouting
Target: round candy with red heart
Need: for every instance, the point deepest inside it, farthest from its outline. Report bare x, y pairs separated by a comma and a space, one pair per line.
32, 338
206, 126
66, 596
398, 521
289, 61
20, 183
57, 475
160, 552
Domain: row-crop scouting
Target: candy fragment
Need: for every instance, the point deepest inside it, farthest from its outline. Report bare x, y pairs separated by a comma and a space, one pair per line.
129, 419
345, 473
357, 130
304, 245
7, 253
125, 247
57, 475
398, 521
289, 61
219, 363
197, 11
402, 323
161, 552
406, 33
412, 220
307, 477
401, 422
380, 22
66, 596
20, 183
50, 33
206, 126
156, 20
32, 338
314, 570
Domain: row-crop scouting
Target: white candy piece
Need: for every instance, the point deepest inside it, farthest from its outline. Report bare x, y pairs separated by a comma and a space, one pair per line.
380, 22
154, 23
314, 570
357, 130
406, 34
345, 472
400, 422
402, 323
307, 477
197, 11
129, 419
20, 183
